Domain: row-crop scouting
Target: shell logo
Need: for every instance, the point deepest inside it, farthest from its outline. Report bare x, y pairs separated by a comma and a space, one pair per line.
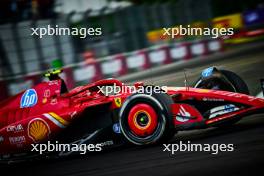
44, 100
38, 130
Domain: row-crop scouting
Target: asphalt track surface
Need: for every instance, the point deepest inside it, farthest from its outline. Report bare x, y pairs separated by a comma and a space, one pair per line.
247, 137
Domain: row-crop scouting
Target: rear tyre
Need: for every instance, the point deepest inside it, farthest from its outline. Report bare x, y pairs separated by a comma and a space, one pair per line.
147, 119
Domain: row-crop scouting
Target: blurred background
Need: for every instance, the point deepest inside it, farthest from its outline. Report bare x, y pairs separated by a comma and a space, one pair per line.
132, 37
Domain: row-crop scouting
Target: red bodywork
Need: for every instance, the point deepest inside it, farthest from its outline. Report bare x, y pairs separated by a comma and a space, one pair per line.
251, 104
53, 112
40, 113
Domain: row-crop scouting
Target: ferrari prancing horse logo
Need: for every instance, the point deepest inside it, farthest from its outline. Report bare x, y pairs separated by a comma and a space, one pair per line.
118, 102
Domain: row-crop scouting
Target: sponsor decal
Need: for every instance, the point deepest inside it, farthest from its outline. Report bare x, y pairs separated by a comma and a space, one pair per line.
17, 140
233, 94
207, 72
239, 95
107, 143
14, 128
46, 93
116, 128
220, 110
29, 98
56, 119
212, 99
118, 102
54, 82
182, 114
38, 130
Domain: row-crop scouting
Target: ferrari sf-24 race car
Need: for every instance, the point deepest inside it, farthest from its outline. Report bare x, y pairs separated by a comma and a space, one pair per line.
85, 115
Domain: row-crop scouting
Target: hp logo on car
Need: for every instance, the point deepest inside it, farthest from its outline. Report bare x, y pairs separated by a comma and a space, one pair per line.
29, 98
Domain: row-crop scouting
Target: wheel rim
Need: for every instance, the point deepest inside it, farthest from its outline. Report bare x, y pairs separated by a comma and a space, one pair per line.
142, 120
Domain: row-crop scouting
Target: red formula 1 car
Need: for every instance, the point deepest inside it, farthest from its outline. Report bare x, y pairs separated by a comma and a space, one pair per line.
87, 114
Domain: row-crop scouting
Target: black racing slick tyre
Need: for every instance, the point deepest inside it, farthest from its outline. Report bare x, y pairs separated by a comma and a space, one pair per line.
240, 87
237, 81
147, 119
232, 83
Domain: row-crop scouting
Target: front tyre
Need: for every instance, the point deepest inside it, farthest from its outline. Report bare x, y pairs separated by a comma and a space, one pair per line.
147, 119
229, 81
237, 81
